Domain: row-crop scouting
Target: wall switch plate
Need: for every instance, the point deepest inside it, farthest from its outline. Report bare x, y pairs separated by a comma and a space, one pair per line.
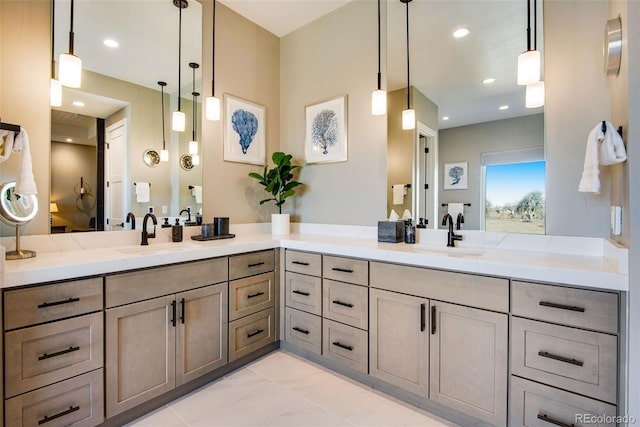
616, 220
150, 209
164, 209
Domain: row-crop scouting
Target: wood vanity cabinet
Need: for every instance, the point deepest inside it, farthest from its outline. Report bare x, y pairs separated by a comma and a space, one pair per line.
164, 327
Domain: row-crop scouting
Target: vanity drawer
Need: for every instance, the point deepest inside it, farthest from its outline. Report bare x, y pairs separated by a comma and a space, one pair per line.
569, 306
30, 306
490, 293
304, 262
303, 329
127, 288
42, 355
250, 295
303, 292
536, 405
584, 362
251, 264
76, 401
345, 344
346, 270
346, 303
251, 333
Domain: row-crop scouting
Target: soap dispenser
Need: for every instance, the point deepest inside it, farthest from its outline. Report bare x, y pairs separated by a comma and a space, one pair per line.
176, 231
409, 232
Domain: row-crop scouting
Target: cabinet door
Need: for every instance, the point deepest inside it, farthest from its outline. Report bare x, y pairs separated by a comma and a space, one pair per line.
469, 361
140, 353
201, 344
399, 340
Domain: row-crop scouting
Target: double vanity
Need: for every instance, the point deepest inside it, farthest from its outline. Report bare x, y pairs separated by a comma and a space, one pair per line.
481, 334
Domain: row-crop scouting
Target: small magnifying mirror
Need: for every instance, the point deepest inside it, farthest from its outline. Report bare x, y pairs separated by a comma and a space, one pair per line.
17, 210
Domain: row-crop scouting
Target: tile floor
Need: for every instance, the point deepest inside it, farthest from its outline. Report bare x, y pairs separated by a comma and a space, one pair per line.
281, 390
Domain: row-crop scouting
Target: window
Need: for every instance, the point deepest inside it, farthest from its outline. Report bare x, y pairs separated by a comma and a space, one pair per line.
514, 191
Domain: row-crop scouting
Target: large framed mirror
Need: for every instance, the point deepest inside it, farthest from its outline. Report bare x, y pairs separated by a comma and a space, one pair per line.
100, 133
470, 112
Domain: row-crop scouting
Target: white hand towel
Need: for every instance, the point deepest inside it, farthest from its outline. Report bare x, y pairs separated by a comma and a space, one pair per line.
398, 194
25, 184
6, 144
143, 192
454, 209
590, 180
612, 149
197, 193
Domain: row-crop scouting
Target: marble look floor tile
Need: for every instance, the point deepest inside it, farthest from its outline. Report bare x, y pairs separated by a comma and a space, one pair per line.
162, 417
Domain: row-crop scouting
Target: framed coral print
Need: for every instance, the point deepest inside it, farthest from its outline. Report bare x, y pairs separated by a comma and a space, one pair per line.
326, 131
244, 131
456, 176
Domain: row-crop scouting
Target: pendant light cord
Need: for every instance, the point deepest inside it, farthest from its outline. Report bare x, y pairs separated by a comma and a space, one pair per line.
179, 51
71, 32
53, 32
213, 53
195, 106
162, 92
408, 81
379, 49
528, 25
535, 25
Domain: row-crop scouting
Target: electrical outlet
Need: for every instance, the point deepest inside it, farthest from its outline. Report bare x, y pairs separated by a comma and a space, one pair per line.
164, 209
150, 209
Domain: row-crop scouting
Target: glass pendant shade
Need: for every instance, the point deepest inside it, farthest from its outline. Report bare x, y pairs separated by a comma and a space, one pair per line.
534, 95
378, 102
164, 155
193, 147
409, 119
212, 108
55, 93
70, 70
528, 67
195, 159
178, 121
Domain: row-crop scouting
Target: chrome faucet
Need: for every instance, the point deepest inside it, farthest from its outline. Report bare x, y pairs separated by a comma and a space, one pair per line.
188, 211
132, 217
145, 234
451, 236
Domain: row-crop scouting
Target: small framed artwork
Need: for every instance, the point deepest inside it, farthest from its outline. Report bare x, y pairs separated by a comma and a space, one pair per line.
456, 176
244, 131
326, 131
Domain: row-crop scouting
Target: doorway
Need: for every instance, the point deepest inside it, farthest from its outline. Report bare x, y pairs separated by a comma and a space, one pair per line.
115, 177
425, 173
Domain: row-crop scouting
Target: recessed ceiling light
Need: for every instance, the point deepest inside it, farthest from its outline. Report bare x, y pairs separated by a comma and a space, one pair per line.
461, 32
111, 43
504, 107
78, 103
69, 140
489, 81
445, 118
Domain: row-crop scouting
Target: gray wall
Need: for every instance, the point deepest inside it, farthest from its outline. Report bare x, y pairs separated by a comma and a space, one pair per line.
467, 143
336, 55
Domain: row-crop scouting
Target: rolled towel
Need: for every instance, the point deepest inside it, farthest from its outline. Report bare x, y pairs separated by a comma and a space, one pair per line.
25, 184
143, 192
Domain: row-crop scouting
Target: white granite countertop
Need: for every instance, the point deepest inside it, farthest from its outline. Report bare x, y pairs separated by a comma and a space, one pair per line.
590, 262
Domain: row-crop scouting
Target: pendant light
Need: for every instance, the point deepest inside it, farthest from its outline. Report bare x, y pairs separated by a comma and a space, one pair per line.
55, 90
379, 96
70, 72
178, 120
193, 144
408, 115
534, 95
213, 102
529, 61
164, 153
195, 157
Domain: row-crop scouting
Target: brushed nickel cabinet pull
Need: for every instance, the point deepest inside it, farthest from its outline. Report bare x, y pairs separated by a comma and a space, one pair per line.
560, 358
46, 419
51, 304
550, 420
46, 356
561, 306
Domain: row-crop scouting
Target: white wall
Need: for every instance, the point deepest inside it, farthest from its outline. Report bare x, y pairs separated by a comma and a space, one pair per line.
336, 55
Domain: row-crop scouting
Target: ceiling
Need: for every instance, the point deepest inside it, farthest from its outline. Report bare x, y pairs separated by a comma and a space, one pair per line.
449, 71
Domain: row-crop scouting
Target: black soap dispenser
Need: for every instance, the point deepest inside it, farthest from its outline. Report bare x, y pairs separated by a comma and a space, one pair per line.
409, 232
176, 232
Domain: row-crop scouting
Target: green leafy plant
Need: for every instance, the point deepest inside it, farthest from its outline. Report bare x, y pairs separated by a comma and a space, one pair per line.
278, 181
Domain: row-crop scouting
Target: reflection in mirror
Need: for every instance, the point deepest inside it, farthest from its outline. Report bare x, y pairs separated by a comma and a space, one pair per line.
16, 210
468, 106
103, 130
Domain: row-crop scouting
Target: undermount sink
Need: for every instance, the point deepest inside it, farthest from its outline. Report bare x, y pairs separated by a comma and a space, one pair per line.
456, 251
158, 248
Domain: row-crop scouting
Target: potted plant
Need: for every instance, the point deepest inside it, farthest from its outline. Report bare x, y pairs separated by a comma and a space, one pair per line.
278, 182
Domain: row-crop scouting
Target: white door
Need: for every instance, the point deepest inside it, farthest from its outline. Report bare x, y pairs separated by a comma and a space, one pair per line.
425, 176
116, 196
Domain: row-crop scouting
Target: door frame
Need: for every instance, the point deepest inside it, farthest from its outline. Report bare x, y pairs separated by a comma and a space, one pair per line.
125, 175
431, 142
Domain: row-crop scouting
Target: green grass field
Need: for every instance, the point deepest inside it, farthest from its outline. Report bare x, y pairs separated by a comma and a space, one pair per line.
515, 226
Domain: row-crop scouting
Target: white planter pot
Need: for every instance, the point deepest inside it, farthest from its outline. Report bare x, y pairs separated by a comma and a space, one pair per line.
280, 224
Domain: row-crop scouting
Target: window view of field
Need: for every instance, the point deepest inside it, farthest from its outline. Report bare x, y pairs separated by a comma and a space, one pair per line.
515, 198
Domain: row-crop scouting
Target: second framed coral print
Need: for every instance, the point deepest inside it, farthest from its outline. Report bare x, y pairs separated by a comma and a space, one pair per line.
244, 131
326, 131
